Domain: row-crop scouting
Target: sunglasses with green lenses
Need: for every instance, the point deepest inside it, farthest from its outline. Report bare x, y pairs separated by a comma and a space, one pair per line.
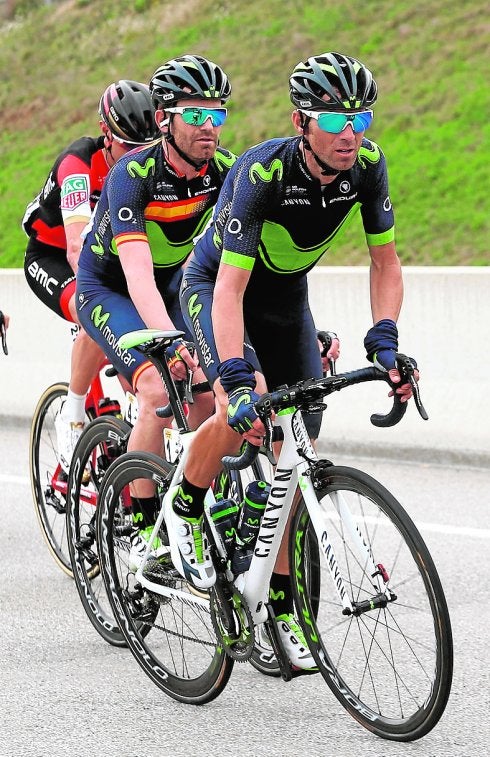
199, 116
334, 123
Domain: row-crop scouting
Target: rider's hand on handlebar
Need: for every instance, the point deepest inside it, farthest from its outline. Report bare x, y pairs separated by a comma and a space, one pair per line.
241, 414
180, 361
404, 391
329, 346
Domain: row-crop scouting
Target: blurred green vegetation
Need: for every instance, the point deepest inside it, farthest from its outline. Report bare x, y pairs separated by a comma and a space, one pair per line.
430, 59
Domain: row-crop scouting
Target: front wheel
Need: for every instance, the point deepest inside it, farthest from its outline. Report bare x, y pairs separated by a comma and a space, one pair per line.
171, 635
101, 443
390, 662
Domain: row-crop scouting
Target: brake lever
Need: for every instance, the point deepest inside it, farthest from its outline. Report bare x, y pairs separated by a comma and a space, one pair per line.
263, 409
406, 369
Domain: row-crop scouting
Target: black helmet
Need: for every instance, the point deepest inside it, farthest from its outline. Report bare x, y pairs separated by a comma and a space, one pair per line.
127, 109
331, 74
187, 77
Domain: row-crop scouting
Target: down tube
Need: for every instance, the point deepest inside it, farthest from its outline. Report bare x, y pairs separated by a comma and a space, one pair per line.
255, 583
322, 531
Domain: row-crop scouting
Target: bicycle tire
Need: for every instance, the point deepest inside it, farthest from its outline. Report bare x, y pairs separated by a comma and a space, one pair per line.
48, 482
172, 639
391, 668
101, 442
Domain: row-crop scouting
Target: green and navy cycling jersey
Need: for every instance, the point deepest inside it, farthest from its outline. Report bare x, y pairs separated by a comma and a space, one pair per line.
275, 219
146, 198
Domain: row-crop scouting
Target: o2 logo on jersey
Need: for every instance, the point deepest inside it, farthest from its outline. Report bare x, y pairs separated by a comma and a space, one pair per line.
125, 214
234, 227
74, 192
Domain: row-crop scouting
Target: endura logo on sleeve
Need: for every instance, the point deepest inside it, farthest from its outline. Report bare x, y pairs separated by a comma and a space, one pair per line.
134, 169
258, 171
74, 192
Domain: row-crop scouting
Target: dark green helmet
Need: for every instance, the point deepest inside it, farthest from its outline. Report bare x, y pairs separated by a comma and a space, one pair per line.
347, 82
189, 76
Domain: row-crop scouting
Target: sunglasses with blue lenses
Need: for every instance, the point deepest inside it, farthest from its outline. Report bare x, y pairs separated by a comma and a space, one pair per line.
335, 123
199, 116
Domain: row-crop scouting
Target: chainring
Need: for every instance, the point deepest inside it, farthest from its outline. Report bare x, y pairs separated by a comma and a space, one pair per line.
238, 646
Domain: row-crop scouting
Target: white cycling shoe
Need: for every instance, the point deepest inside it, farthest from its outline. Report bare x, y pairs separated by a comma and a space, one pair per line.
294, 642
67, 436
189, 547
139, 540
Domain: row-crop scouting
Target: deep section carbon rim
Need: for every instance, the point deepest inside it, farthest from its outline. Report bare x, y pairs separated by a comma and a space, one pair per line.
48, 481
391, 666
171, 637
103, 440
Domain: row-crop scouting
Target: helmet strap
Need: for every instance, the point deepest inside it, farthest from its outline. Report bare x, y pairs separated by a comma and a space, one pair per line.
325, 169
170, 139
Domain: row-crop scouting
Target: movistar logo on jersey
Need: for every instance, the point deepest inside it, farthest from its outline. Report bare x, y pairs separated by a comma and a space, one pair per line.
224, 160
97, 249
135, 169
258, 171
371, 154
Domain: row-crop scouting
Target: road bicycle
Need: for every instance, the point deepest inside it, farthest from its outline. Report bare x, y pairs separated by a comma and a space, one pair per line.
104, 440
366, 590
49, 482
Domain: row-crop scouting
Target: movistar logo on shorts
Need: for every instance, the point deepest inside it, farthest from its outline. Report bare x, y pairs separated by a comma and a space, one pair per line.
194, 309
258, 171
135, 169
99, 319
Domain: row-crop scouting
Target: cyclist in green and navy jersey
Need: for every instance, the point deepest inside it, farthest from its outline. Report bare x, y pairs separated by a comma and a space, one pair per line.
244, 294
154, 202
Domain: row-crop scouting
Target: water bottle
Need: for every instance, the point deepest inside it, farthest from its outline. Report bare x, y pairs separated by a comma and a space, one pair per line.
224, 514
254, 502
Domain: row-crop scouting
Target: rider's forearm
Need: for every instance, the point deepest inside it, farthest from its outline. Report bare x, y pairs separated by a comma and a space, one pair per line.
228, 325
386, 283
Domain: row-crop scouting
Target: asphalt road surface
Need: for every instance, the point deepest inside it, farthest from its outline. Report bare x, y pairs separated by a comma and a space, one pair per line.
64, 691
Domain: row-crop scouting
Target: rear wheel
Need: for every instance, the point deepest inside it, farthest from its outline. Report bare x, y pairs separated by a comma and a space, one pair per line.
48, 480
390, 662
171, 636
101, 443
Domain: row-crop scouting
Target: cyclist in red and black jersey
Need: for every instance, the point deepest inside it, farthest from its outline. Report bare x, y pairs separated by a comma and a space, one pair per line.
154, 203
55, 219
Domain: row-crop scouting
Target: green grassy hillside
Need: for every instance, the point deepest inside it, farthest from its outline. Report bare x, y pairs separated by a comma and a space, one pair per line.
430, 59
